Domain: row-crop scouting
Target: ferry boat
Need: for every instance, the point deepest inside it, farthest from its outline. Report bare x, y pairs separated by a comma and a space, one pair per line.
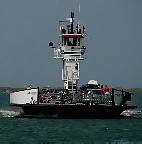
91, 100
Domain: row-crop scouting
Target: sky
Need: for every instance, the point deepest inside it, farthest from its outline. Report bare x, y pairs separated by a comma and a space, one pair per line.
114, 41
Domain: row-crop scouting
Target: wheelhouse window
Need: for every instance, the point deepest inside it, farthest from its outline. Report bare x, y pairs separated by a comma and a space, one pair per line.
71, 39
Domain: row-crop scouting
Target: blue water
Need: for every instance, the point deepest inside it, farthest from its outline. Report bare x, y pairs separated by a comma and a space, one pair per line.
72, 131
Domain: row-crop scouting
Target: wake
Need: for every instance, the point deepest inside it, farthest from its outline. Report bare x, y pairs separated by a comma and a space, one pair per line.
8, 113
134, 113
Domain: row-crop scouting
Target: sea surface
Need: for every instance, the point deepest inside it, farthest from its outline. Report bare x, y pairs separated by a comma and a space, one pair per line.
70, 131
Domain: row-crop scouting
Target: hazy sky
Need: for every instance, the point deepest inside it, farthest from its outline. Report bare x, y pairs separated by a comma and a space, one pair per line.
114, 41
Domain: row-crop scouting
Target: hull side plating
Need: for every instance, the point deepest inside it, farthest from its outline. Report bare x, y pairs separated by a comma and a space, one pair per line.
74, 111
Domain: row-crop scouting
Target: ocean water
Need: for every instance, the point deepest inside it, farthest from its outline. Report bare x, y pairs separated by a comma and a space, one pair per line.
70, 131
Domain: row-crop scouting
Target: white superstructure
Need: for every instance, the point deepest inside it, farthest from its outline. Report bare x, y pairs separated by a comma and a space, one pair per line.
27, 96
70, 49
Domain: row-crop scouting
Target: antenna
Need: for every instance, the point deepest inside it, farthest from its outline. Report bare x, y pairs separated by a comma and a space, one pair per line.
78, 3
79, 8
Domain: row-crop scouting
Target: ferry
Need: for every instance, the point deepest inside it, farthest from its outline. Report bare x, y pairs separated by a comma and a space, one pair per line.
90, 100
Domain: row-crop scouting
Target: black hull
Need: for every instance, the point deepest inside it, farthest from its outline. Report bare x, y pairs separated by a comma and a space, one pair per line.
73, 111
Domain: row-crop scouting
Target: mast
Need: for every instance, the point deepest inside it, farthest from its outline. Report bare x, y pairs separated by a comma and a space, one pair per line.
70, 50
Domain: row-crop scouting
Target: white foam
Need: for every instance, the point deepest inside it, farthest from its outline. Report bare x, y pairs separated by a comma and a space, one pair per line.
130, 112
8, 113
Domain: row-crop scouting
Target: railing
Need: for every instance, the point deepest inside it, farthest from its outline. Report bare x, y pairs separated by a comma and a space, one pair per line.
92, 97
